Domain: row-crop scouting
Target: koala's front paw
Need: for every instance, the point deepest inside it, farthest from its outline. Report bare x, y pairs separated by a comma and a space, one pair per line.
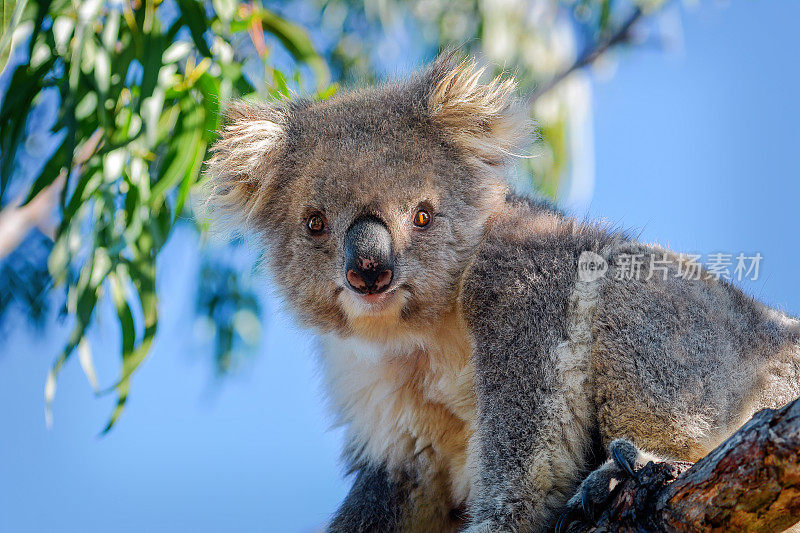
625, 460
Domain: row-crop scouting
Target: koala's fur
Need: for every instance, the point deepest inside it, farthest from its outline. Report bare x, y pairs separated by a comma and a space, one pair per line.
479, 392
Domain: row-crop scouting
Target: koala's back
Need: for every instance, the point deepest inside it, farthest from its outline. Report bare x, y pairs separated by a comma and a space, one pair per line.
674, 365
682, 363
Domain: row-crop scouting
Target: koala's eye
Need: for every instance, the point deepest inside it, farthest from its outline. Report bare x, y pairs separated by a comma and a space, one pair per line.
316, 224
422, 218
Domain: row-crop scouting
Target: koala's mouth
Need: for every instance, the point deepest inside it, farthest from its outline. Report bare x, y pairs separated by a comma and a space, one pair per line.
377, 302
360, 305
374, 299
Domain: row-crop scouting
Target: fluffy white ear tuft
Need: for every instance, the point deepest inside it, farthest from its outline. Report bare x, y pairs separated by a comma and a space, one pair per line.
484, 119
241, 170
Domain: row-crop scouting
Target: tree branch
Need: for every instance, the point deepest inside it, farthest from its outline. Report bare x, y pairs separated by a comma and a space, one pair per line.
17, 221
590, 55
751, 482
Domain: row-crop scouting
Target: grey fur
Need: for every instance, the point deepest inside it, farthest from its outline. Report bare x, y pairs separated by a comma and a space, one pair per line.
556, 367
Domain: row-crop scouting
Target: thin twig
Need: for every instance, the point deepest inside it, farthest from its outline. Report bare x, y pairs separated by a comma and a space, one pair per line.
590, 55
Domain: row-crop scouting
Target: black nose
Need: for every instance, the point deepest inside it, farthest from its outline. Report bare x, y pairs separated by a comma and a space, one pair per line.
369, 260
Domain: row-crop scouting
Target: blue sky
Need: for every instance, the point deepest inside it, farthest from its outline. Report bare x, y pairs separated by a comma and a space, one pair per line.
697, 149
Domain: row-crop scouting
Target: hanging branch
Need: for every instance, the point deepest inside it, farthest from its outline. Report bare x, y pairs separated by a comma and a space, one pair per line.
590, 55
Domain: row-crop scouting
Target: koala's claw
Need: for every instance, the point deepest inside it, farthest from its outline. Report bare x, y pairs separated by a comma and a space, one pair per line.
625, 455
625, 460
566, 518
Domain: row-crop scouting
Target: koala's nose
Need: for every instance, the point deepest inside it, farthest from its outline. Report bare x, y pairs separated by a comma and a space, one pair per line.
369, 260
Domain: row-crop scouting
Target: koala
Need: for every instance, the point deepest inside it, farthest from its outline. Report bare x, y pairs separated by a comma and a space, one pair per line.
478, 375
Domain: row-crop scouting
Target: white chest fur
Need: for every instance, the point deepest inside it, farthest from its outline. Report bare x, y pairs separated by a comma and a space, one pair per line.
409, 403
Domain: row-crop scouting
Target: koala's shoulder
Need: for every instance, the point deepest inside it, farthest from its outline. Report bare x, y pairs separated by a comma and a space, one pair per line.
526, 267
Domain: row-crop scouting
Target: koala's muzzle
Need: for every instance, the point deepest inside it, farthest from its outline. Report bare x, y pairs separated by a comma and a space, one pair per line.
369, 260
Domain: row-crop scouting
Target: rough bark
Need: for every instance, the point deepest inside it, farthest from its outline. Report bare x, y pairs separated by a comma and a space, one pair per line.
751, 482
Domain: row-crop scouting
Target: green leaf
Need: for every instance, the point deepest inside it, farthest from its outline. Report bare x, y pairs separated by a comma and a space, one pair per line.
89, 182
154, 46
280, 89
110, 29
605, 15
188, 141
142, 275
124, 313
328, 92
87, 363
10, 15
159, 225
86, 301
209, 90
122, 398
297, 41
233, 73
49, 173
225, 9
194, 15
25, 85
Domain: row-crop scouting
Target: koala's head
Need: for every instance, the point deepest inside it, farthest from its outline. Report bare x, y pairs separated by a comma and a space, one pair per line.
372, 203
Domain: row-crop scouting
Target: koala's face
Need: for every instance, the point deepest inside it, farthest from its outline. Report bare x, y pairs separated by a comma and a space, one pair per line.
370, 207
372, 224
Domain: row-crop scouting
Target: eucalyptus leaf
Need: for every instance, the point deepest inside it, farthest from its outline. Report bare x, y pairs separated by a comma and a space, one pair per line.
86, 301
194, 15
297, 42
187, 140
10, 15
139, 104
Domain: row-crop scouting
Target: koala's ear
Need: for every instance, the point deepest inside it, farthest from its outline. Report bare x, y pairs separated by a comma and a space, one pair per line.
484, 119
242, 171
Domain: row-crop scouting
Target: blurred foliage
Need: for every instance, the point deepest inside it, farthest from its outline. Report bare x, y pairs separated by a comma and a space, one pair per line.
537, 40
134, 89
139, 87
27, 281
231, 312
